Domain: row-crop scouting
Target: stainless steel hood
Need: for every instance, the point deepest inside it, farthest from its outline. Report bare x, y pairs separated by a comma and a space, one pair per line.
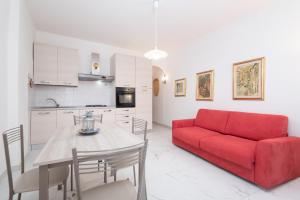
92, 77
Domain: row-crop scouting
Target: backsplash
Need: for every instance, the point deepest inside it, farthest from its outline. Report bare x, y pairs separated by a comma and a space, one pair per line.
86, 93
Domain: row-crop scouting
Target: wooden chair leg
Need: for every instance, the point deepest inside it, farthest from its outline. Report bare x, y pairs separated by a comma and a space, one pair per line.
134, 175
19, 196
65, 189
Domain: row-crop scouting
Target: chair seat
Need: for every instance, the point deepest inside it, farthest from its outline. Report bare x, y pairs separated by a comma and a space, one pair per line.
120, 190
29, 180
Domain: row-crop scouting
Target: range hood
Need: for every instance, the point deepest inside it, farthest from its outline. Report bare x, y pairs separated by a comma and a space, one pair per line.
92, 77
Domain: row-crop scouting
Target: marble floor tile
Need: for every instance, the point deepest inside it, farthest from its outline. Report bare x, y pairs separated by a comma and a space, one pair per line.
175, 174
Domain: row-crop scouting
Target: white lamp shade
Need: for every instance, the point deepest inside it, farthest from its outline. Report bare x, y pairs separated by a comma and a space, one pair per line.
155, 54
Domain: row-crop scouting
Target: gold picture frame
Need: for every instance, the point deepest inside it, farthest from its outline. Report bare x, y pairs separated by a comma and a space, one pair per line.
205, 85
248, 82
180, 87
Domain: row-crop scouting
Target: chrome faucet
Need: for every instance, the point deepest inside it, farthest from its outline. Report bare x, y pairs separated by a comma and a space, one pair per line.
54, 101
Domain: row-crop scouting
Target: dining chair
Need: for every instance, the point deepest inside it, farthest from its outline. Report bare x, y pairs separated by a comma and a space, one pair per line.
77, 121
85, 162
28, 180
139, 126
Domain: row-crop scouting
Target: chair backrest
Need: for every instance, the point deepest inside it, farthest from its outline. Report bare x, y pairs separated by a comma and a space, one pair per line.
79, 118
11, 136
139, 125
86, 162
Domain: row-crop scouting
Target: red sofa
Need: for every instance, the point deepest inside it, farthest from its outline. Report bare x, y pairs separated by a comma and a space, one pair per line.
253, 146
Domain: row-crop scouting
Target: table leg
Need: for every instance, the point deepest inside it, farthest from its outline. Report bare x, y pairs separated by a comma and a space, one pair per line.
43, 182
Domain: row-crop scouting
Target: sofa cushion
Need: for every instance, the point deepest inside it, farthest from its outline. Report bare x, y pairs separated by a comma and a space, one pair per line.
214, 120
192, 135
256, 126
233, 149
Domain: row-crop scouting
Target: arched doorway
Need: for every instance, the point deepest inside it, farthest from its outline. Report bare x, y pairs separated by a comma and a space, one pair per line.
158, 91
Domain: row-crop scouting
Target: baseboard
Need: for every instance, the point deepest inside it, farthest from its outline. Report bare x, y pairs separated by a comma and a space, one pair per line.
160, 124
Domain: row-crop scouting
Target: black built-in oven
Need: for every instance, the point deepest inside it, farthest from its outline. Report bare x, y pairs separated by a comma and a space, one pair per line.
125, 97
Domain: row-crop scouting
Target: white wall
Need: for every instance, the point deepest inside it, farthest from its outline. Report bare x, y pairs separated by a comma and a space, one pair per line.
87, 92
16, 37
26, 37
4, 7
272, 32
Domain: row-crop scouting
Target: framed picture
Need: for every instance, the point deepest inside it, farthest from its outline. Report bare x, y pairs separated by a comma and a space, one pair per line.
180, 87
249, 79
205, 86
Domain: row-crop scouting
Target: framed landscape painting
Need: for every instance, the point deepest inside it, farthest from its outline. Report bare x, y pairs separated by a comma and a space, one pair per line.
180, 87
205, 86
249, 79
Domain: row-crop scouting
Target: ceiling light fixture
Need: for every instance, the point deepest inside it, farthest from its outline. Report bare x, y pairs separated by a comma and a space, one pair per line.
155, 54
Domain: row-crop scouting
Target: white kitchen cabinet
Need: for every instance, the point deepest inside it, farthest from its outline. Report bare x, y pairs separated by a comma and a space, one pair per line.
143, 69
65, 118
143, 100
55, 65
45, 64
108, 115
144, 90
125, 111
124, 117
144, 105
68, 66
123, 68
43, 126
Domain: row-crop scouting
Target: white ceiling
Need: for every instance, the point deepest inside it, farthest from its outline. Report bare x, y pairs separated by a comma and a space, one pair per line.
129, 23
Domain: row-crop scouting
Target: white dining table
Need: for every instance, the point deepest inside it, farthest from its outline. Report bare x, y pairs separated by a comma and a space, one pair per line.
58, 150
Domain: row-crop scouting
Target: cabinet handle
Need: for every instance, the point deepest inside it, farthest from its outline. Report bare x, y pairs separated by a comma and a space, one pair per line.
126, 116
68, 112
126, 110
44, 113
107, 110
44, 81
126, 122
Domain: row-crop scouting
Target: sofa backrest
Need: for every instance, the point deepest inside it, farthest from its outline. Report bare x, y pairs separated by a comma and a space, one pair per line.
256, 126
214, 120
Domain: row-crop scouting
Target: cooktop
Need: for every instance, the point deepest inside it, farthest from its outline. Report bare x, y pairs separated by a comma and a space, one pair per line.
95, 105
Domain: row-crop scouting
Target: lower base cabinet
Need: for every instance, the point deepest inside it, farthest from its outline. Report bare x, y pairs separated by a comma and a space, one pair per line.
45, 122
43, 125
66, 117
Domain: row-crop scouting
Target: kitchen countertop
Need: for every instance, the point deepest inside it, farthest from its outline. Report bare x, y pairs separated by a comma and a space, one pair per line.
69, 108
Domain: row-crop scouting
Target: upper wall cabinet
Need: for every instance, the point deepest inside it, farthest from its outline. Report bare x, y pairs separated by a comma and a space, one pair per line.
143, 69
55, 65
68, 67
123, 67
45, 64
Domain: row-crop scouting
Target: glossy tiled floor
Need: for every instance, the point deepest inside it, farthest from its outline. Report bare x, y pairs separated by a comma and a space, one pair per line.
174, 174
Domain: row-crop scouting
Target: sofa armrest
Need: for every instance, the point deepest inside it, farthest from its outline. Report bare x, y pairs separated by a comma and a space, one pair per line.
277, 161
182, 123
